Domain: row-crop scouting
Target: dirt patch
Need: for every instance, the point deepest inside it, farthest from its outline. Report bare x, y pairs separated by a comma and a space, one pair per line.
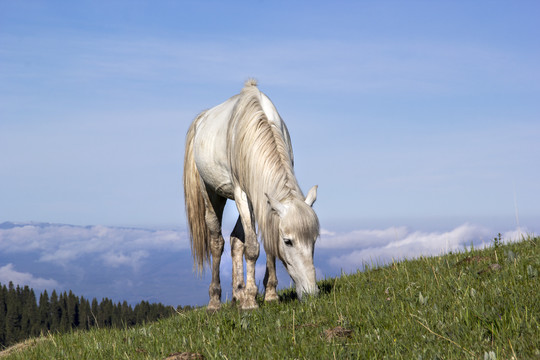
337, 332
185, 356
492, 267
473, 259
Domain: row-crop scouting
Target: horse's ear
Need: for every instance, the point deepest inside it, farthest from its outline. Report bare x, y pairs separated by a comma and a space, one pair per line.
276, 206
311, 196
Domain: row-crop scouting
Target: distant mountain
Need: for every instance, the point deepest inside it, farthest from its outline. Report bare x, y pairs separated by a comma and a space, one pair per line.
7, 225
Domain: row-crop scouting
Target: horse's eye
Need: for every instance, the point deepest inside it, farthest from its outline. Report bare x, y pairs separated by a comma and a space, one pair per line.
287, 242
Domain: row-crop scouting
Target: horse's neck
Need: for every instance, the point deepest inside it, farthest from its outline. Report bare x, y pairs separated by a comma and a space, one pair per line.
273, 175
289, 190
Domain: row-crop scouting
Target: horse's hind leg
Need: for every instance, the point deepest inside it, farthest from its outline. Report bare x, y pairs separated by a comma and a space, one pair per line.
214, 213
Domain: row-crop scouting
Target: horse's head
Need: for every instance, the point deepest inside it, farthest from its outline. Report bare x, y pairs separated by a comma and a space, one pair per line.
298, 231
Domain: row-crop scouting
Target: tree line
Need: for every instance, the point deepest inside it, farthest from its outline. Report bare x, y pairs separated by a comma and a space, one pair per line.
22, 317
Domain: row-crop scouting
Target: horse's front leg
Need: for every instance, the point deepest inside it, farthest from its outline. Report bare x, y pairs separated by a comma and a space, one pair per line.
251, 254
237, 254
251, 249
270, 279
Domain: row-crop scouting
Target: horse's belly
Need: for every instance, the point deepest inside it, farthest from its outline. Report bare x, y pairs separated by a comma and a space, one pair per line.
217, 178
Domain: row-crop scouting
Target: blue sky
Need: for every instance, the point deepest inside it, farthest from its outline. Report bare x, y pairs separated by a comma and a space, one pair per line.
418, 116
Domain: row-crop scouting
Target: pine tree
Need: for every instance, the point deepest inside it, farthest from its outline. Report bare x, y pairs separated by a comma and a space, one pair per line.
34, 317
72, 310
117, 315
29, 316
95, 313
55, 312
127, 314
106, 312
3, 310
64, 317
44, 312
13, 319
142, 312
84, 314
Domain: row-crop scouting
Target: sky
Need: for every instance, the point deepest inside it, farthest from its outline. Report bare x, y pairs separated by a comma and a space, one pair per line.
419, 121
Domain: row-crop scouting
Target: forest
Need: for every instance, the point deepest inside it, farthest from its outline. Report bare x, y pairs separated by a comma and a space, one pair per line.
22, 316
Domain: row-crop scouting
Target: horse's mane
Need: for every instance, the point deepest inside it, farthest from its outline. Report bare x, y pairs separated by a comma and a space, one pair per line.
261, 159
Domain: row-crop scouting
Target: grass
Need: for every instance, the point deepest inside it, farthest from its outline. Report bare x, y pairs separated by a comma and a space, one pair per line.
476, 304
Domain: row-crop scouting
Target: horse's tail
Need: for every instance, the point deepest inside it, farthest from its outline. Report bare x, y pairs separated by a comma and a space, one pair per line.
195, 205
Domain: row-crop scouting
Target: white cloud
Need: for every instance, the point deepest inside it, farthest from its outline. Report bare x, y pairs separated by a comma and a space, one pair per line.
116, 259
8, 273
360, 238
380, 246
67, 244
326, 232
514, 235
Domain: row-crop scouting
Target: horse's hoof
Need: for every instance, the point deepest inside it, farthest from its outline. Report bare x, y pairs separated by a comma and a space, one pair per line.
213, 306
271, 297
238, 296
250, 304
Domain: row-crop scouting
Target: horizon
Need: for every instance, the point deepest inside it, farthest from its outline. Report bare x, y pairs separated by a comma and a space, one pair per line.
418, 121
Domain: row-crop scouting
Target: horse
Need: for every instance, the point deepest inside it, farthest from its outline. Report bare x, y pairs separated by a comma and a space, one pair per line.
241, 150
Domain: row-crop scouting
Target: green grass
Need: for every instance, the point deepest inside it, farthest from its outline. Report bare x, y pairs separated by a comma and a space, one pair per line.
476, 304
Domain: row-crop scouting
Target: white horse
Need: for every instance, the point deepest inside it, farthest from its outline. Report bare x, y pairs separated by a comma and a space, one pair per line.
241, 150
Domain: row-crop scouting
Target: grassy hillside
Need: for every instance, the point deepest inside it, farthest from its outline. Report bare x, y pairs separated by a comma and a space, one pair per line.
477, 304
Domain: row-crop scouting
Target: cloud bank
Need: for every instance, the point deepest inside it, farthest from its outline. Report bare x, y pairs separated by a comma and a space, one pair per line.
8, 273
66, 244
155, 265
360, 247
98, 261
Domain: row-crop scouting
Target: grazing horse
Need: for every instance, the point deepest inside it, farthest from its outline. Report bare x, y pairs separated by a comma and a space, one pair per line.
241, 150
